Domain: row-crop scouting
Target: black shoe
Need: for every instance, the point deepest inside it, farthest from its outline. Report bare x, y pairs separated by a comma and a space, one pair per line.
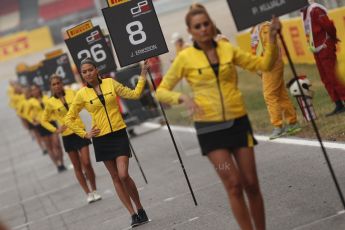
135, 220
143, 216
337, 110
45, 152
61, 168
132, 133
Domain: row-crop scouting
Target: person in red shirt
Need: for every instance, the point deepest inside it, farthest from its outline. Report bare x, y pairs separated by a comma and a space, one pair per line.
322, 39
156, 69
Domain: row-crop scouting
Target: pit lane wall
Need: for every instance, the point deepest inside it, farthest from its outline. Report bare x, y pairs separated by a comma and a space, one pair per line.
25, 42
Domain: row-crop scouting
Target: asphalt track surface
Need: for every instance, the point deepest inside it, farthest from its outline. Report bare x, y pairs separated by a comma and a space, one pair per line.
297, 187
298, 190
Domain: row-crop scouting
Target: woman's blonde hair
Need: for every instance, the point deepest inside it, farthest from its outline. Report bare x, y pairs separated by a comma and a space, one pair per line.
55, 77
197, 6
197, 9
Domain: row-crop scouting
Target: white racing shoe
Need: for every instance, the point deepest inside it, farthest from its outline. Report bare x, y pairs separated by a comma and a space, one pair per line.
96, 196
277, 132
90, 198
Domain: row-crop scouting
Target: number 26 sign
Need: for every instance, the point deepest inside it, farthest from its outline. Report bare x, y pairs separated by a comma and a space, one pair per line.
92, 44
135, 31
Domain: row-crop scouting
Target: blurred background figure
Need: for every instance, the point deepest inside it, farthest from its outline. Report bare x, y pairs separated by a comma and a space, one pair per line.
37, 103
179, 43
156, 69
322, 39
278, 103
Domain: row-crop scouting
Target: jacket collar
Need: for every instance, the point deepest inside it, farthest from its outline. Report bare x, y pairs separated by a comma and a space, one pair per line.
196, 46
63, 94
90, 86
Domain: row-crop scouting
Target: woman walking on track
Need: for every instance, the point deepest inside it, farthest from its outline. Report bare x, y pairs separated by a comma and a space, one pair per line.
51, 140
76, 147
222, 125
108, 131
23, 111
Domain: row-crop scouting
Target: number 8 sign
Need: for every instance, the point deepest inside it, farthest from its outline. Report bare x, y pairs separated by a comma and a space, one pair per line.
135, 31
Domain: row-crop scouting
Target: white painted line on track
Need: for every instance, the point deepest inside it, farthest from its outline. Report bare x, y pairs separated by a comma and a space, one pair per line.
192, 219
193, 152
45, 218
169, 199
320, 220
187, 221
108, 192
38, 196
341, 212
289, 140
159, 203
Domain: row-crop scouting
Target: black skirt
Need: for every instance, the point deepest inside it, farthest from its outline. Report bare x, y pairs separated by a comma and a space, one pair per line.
229, 135
112, 145
43, 131
30, 126
74, 142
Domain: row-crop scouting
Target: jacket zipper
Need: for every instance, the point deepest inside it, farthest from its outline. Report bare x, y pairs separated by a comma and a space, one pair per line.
221, 97
219, 90
106, 111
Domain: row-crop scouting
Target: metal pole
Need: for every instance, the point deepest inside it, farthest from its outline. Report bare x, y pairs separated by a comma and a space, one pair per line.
313, 122
98, 6
137, 160
174, 142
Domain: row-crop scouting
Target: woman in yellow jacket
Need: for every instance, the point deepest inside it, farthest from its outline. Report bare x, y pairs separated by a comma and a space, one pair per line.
76, 147
23, 112
36, 107
223, 128
108, 133
278, 103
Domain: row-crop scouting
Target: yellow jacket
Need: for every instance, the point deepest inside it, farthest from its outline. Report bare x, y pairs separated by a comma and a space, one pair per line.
54, 108
23, 107
107, 118
218, 97
10, 95
16, 100
35, 109
263, 31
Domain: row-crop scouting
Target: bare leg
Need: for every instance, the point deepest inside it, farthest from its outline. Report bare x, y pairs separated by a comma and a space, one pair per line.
74, 156
87, 166
120, 190
57, 149
246, 163
230, 176
122, 167
49, 144
39, 140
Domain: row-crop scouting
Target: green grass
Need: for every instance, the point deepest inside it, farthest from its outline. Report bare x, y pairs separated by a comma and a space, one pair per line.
331, 128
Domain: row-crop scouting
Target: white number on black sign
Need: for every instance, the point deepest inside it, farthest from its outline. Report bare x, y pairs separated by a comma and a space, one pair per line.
97, 53
38, 81
139, 31
134, 80
22, 80
60, 72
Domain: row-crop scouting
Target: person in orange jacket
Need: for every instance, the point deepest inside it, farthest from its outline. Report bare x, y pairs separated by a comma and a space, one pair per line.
278, 103
322, 39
